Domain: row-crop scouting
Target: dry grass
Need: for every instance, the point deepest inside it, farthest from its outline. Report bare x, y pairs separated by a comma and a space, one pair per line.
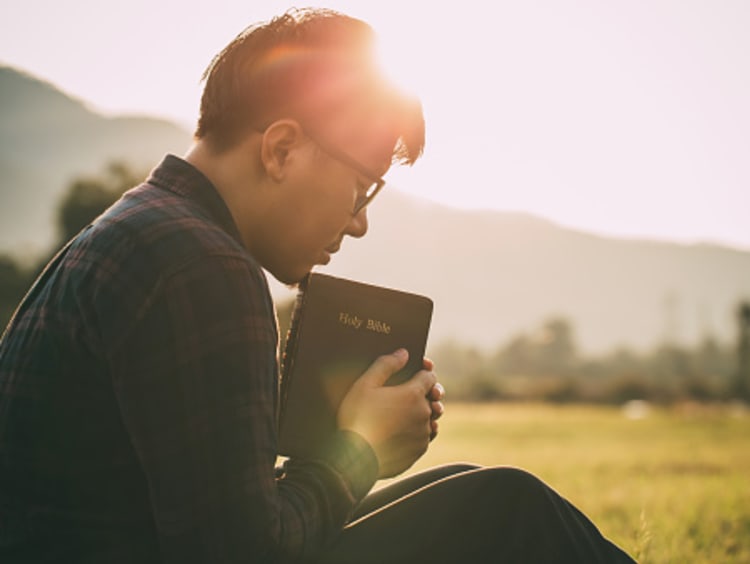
673, 486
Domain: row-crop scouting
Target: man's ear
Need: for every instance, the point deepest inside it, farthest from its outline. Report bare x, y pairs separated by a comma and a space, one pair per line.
280, 140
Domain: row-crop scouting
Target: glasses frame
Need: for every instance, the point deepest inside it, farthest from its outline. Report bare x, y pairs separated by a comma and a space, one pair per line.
351, 162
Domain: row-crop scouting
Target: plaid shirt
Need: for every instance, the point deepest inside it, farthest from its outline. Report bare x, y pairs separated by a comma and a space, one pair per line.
138, 393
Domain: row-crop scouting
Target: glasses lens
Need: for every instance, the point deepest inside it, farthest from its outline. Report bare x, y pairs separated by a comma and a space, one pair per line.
367, 196
371, 191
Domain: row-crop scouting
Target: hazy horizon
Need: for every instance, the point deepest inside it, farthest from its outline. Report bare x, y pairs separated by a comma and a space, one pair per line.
628, 121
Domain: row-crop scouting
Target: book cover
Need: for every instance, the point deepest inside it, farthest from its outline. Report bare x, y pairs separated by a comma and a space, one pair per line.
339, 328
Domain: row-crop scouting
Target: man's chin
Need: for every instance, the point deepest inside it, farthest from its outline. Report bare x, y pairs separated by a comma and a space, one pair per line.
292, 274
291, 279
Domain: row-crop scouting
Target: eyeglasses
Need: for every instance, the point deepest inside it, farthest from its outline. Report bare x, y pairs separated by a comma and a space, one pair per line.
376, 182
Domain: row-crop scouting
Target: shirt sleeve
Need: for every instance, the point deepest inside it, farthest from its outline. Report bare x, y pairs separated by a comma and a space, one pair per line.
196, 382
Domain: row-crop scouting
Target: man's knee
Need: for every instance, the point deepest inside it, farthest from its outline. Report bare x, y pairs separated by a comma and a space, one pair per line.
511, 486
516, 478
457, 468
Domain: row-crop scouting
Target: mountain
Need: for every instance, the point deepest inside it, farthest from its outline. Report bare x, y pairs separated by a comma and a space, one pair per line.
494, 274
47, 139
491, 274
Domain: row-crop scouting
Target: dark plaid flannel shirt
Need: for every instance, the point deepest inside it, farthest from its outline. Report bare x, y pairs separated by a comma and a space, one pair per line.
138, 391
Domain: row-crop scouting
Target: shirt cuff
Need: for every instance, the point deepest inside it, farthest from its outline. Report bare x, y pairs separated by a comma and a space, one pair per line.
352, 457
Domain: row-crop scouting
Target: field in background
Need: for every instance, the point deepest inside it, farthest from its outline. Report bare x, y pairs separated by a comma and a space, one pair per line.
667, 485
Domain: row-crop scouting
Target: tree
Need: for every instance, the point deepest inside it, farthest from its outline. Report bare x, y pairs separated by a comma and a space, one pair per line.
84, 199
556, 349
516, 357
742, 378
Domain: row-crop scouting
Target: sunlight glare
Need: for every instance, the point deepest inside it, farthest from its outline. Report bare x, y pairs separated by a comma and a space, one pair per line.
397, 68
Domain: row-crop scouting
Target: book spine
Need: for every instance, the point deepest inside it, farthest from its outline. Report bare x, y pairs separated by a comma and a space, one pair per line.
290, 347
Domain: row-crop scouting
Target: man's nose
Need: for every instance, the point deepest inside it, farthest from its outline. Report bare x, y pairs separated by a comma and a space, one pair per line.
357, 227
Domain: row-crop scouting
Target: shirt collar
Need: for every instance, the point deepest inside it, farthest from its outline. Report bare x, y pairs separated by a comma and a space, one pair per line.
182, 178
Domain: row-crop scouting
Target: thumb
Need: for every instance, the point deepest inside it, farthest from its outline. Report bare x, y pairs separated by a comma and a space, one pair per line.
385, 367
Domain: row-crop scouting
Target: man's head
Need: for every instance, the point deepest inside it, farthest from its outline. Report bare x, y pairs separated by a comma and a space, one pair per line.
303, 97
309, 65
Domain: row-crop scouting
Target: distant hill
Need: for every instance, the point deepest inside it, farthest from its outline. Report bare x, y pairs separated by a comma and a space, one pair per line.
47, 139
491, 274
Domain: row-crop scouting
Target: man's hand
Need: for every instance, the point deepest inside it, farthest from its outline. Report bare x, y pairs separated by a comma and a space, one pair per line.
397, 421
436, 396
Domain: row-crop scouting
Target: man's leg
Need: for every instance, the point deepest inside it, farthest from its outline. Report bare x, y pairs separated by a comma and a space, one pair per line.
472, 516
401, 488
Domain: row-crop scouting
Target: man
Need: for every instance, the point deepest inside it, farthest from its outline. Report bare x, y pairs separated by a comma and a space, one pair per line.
138, 378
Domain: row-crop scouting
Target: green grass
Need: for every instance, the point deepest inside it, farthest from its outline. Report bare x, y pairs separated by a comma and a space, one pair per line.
671, 487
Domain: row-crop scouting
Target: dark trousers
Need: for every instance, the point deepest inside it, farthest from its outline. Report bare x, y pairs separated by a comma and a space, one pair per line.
464, 514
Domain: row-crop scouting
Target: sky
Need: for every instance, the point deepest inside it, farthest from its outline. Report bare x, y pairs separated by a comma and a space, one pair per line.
628, 118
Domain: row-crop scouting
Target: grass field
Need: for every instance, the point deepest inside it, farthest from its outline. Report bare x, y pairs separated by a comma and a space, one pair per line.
673, 486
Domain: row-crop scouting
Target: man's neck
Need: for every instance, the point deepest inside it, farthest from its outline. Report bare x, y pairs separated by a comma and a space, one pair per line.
235, 178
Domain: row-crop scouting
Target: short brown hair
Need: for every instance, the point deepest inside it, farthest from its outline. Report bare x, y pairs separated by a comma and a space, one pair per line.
304, 64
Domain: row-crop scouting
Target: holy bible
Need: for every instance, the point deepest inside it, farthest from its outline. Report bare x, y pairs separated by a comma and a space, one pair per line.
339, 328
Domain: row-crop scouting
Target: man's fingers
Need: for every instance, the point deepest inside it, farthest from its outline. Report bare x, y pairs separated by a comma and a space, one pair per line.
426, 380
385, 367
433, 429
437, 409
437, 393
427, 364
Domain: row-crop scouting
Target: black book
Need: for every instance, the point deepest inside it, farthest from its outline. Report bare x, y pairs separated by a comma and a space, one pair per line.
339, 328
